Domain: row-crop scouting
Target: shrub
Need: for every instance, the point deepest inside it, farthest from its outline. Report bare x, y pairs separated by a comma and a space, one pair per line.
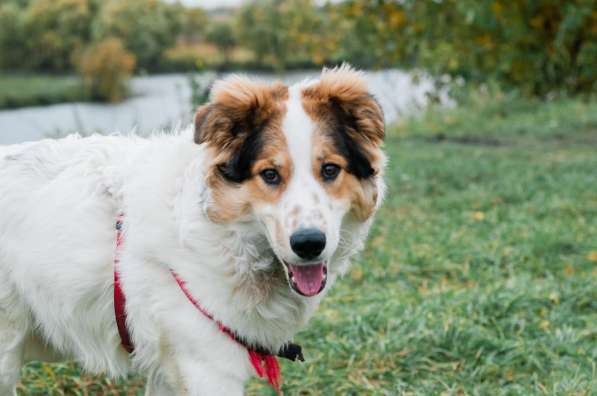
536, 46
282, 33
106, 68
185, 57
12, 36
145, 27
193, 21
221, 34
55, 29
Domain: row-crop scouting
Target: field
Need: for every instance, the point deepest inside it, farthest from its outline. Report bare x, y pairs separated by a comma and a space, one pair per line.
480, 276
18, 90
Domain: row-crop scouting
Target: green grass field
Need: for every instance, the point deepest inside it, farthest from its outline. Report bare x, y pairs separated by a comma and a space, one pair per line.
18, 90
480, 276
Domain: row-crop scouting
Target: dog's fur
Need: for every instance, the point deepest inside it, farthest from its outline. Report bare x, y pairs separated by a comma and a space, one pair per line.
194, 202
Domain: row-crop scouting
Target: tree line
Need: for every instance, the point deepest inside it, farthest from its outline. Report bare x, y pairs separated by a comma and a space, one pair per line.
536, 46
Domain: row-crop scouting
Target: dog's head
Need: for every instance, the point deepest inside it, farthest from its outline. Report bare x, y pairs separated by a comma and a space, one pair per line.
304, 163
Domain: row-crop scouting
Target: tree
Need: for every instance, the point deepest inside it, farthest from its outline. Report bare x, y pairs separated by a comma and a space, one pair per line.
146, 27
12, 36
106, 68
280, 32
193, 23
221, 34
536, 46
55, 29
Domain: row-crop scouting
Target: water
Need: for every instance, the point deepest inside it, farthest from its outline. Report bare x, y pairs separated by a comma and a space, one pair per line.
163, 101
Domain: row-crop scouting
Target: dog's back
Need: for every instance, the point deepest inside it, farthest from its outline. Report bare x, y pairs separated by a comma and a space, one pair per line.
56, 231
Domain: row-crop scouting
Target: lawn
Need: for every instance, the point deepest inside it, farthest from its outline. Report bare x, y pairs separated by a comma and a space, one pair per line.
18, 90
480, 276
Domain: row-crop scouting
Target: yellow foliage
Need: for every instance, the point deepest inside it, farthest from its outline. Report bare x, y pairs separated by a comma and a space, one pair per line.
397, 19
192, 53
106, 68
537, 22
484, 41
205, 55
497, 8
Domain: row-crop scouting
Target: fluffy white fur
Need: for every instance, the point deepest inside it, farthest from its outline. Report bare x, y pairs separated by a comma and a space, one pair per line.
58, 203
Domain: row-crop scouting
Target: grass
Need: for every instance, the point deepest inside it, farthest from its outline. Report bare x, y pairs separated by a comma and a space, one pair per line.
19, 90
480, 276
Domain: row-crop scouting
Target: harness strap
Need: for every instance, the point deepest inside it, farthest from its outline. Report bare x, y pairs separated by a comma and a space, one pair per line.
119, 297
265, 363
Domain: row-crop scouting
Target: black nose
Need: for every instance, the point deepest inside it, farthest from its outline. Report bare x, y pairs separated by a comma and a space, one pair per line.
308, 243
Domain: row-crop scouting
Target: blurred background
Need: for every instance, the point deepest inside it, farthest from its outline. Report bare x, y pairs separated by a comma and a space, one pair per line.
145, 64
480, 276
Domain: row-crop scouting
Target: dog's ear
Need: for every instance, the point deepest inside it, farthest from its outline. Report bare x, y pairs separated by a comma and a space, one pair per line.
343, 93
200, 119
238, 107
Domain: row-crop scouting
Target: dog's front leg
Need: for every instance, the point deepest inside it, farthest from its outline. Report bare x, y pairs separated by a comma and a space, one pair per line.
13, 330
11, 359
186, 373
158, 386
201, 379
195, 380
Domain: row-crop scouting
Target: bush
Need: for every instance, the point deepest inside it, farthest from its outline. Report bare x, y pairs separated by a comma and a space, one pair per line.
221, 34
185, 57
193, 21
145, 27
106, 68
536, 46
12, 36
55, 29
283, 33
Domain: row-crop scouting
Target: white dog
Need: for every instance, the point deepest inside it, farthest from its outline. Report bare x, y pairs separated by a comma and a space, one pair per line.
230, 233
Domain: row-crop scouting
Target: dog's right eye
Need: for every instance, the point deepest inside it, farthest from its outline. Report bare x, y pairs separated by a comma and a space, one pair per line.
271, 177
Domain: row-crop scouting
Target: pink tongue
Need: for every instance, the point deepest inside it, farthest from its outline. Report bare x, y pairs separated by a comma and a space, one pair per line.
308, 278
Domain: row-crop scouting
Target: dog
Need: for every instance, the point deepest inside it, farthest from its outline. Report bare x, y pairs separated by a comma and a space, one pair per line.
230, 232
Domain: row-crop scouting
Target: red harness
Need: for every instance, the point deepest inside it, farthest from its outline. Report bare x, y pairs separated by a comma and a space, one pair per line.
265, 363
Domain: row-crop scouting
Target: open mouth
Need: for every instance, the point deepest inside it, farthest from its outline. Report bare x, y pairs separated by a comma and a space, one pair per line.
307, 279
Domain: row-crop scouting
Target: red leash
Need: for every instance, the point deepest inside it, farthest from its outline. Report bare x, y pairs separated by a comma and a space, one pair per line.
119, 298
265, 363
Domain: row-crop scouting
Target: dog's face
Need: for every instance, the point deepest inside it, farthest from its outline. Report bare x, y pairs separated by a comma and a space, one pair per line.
296, 161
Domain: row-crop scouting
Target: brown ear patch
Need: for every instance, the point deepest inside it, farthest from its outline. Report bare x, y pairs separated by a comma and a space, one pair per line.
345, 111
237, 105
236, 120
345, 89
242, 128
200, 118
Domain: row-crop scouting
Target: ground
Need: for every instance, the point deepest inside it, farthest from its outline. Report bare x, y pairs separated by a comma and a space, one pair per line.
480, 276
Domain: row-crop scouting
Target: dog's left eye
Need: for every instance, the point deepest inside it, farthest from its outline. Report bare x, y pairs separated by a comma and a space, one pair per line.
271, 176
330, 172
